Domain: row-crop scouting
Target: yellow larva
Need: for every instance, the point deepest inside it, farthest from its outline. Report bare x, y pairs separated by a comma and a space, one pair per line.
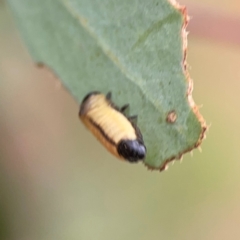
118, 133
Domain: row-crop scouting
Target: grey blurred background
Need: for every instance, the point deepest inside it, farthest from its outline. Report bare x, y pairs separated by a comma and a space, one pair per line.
58, 182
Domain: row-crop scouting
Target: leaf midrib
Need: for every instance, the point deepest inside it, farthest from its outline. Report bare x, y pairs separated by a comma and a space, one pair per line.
105, 49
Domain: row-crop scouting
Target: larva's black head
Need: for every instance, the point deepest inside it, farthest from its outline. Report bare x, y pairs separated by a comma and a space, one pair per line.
132, 150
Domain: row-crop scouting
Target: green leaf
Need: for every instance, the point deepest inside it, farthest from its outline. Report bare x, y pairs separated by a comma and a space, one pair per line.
134, 49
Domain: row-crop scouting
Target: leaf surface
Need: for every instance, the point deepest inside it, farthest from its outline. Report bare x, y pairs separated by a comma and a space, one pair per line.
135, 49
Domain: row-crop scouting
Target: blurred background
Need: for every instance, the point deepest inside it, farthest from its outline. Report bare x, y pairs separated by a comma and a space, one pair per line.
53, 184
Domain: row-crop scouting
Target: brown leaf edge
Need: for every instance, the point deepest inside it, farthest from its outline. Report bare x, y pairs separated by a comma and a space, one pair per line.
195, 108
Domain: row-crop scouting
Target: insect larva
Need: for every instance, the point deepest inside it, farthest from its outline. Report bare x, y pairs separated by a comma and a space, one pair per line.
117, 132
